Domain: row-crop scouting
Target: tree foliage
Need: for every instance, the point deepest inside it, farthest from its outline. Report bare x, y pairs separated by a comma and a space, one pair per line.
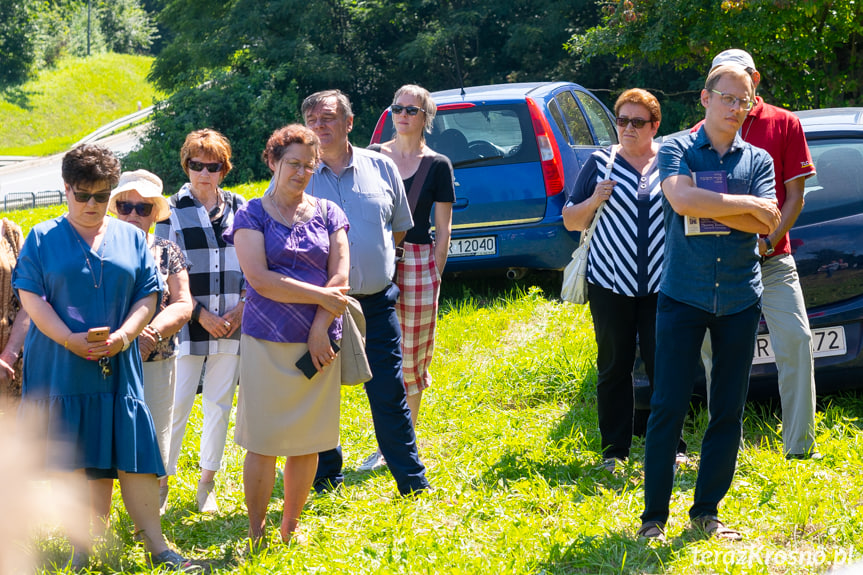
808, 51
370, 48
17, 52
35, 34
246, 106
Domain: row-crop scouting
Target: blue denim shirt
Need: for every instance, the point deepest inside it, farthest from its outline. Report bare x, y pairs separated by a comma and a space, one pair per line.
717, 273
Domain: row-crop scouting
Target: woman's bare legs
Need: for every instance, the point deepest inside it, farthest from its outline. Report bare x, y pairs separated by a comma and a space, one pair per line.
259, 477
299, 476
414, 405
141, 498
100, 504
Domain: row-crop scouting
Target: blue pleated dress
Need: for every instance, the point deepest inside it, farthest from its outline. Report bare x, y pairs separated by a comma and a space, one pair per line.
87, 420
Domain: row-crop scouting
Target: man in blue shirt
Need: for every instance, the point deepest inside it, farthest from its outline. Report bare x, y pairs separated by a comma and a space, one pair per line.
709, 282
369, 189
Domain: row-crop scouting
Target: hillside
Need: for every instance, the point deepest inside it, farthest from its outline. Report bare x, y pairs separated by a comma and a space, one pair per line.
62, 105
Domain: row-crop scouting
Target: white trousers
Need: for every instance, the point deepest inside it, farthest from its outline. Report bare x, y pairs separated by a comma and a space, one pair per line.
160, 382
219, 385
785, 313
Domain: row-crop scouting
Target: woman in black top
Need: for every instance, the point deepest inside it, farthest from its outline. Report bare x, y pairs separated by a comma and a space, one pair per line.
419, 271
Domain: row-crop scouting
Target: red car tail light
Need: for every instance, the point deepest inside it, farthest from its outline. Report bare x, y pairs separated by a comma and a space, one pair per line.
379, 128
552, 169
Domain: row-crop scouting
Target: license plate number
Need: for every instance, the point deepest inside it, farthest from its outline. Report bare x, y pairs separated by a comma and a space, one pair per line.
826, 341
463, 247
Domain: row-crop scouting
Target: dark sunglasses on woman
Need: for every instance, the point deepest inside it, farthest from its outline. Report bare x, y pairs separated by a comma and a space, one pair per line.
143, 210
637, 123
411, 110
84, 197
212, 167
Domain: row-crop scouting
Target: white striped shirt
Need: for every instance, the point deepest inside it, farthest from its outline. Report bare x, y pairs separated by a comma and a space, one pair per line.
628, 242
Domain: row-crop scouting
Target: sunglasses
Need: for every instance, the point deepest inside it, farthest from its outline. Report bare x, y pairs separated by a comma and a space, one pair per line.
212, 167
637, 123
411, 110
84, 197
143, 210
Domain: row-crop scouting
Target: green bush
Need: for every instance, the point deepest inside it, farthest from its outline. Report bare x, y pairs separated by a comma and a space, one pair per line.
246, 106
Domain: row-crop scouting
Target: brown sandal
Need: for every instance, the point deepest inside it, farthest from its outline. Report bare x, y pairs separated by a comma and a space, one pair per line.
711, 526
651, 531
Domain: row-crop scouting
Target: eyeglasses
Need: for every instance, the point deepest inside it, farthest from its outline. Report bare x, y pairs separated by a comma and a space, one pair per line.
143, 210
411, 110
731, 101
84, 197
296, 166
212, 167
637, 123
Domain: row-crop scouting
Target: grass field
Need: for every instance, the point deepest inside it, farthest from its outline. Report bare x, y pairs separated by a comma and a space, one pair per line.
508, 432
62, 105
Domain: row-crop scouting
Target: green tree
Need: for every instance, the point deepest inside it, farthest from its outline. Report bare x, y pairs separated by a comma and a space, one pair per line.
246, 106
808, 51
370, 48
17, 50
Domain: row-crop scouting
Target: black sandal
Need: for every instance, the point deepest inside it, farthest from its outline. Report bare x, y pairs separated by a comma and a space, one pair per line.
651, 531
711, 526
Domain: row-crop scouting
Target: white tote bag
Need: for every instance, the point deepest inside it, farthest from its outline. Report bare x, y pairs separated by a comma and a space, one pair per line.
574, 288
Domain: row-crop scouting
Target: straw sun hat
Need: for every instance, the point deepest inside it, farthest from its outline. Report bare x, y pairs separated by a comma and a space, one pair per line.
148, 185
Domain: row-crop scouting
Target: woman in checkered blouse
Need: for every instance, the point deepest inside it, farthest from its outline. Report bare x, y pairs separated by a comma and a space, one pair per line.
210, 342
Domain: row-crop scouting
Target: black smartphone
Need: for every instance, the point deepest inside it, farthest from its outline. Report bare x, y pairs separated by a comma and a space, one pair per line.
307, 366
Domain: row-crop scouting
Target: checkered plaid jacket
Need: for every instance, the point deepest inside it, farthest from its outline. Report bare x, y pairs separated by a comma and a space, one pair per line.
215, 277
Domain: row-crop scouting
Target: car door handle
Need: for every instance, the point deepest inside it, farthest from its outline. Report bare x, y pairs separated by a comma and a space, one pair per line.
460, 204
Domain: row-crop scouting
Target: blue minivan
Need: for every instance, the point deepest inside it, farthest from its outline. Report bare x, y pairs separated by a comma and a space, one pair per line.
516, 150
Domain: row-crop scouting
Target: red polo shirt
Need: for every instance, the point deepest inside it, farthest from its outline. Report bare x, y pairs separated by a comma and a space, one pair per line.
779, 132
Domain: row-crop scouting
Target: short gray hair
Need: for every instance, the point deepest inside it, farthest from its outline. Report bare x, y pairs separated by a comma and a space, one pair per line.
343, 104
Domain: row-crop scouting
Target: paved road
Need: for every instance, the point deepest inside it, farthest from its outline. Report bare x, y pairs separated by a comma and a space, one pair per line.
44, 173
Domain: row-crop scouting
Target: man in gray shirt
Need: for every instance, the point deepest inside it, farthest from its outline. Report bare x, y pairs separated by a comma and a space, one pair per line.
369, 189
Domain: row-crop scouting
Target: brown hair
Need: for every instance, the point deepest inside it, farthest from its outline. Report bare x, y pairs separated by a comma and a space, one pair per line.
343, 104
90, 163
284, 137
717, 73
206, 142
426, 102
641, 98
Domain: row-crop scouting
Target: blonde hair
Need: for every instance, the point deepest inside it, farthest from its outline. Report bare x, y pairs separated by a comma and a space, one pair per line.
426, 102
717, 73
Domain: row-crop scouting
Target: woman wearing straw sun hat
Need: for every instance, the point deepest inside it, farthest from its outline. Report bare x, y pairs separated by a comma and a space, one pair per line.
138, 200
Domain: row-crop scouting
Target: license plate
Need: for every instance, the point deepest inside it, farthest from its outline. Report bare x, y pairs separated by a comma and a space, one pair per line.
462, 247
826, 341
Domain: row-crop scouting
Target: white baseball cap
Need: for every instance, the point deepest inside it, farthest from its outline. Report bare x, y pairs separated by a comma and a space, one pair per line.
734, 56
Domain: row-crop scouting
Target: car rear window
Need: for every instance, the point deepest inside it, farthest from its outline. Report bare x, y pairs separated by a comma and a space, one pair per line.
480, 135
836, 190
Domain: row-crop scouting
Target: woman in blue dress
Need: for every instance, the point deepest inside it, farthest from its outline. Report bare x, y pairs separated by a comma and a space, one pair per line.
83, 392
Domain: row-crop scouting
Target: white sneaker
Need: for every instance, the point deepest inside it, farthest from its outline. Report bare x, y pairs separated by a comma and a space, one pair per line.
373, 462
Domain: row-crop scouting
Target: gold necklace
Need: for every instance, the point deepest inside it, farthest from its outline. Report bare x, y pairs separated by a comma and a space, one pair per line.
101, 261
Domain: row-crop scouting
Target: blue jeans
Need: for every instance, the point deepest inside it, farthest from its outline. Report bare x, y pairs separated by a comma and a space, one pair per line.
387, 399
680, 329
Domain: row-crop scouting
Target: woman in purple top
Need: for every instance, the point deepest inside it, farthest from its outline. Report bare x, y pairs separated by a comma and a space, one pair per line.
293, 250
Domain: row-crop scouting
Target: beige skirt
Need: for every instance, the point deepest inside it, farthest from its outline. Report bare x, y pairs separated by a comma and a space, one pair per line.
279, 410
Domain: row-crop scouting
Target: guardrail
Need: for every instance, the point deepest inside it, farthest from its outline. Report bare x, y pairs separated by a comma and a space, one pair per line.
9, 160
28, 200
109, 128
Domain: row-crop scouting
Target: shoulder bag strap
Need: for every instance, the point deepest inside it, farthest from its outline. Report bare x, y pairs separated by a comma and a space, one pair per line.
417, 186
588, 233
418, 181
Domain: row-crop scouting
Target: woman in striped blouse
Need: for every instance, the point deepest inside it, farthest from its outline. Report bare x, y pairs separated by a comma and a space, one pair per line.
625, 260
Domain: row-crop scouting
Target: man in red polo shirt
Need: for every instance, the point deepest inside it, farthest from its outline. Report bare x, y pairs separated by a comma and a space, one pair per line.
779, 132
